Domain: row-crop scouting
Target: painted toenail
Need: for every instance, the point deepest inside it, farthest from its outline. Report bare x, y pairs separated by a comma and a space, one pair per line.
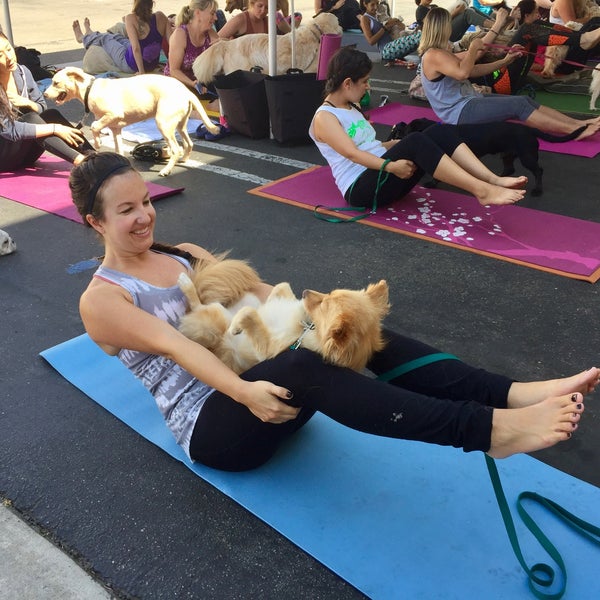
579, 406
574, 397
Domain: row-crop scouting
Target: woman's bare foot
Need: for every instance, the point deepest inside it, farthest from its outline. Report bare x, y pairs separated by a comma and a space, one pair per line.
523, 394
592, 127
535, 427
77, 31
494, 194
513, 183
86, 25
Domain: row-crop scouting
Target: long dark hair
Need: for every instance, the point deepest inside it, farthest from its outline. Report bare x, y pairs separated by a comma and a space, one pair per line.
7, 112
346, 63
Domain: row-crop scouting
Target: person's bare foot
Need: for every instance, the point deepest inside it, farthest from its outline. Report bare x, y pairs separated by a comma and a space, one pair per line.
514, 183
497, 195
86, 25
591, 128
77, 31
535, 427
526, 393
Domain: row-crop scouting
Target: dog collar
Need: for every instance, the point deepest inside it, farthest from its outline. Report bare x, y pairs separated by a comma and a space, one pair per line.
317, 37
86, 95
307, 327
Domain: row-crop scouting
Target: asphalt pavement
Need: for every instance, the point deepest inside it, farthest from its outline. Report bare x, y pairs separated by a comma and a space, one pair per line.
92, 510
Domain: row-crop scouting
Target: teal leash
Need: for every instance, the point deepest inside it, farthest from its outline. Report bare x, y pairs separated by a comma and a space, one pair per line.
540, 575
382, 177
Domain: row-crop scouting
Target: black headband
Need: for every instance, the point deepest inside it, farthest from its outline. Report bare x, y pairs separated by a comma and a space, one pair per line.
89, 207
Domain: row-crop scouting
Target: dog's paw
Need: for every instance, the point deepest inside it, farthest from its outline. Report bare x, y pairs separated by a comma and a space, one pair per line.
241, 320
164, 172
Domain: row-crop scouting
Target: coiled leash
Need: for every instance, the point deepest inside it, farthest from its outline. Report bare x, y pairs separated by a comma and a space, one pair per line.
540, 575
381, 179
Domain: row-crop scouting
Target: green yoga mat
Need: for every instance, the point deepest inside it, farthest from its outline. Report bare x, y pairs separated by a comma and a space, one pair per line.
572, 103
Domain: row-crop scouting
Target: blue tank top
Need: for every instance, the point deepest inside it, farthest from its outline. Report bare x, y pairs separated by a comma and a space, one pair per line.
447, 96
151, 46
178, 395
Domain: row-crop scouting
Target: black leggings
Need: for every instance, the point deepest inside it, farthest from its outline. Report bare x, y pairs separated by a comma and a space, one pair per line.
446, 402
16, 155
424, 148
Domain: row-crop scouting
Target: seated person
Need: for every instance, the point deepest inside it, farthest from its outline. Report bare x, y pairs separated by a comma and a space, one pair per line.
462, 18
139, 51
27, 127
255, 20
347, 11
378, 34
194, 33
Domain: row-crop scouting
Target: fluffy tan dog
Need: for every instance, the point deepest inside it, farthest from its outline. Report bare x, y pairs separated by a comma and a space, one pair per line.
252, 50
120, 102
343, 326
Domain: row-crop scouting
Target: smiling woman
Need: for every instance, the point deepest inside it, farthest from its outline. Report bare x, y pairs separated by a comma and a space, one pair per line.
373, 173
27, 127
133, 306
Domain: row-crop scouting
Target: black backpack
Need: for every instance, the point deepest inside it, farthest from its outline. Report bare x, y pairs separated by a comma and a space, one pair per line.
30, 58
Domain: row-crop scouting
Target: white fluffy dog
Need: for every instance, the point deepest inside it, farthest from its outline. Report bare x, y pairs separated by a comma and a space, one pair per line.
252, 50
120, 102
7, 244
595, 87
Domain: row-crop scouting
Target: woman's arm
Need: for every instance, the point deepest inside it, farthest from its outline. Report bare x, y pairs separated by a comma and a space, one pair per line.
235, 27
441, 62
134, 40
177, 44
34, 100
328, 130
372, 38
112, 321
15, 131
162, 25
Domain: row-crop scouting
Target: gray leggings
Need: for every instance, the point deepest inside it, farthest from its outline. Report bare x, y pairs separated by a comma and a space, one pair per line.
114, 44
497, 107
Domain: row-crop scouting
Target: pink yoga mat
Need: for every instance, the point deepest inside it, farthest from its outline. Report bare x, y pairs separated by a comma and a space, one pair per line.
330, 42
544, 241
46, 187
394, 112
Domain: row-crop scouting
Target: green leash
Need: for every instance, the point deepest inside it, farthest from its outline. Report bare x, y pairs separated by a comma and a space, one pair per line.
381, 179
540, 575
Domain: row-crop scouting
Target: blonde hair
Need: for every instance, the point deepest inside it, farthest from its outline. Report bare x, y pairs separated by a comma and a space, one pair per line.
437, 28
187, 12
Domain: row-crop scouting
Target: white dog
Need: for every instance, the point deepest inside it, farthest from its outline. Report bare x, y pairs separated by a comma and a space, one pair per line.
7, 245
595, 87
252, 50
120, 102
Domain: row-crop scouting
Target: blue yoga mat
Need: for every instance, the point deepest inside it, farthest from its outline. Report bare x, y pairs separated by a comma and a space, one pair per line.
396, 519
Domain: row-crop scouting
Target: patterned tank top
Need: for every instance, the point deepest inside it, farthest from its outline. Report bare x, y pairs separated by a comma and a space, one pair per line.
191, 53
178, 395
151, 46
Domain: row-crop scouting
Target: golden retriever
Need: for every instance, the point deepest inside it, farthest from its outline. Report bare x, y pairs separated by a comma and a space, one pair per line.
120, 102
252, 50
343, 326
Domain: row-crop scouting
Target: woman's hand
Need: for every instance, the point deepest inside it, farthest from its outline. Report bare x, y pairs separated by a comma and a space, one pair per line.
70, 135
402, 168
19, 102
515, 52
263, 400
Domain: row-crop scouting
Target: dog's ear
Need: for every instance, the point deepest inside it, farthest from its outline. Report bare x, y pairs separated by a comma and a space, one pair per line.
380, 296
74, 72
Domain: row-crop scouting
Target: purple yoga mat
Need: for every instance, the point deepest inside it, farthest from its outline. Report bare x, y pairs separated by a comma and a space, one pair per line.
544, 241
394, 112
330, 42
46, 187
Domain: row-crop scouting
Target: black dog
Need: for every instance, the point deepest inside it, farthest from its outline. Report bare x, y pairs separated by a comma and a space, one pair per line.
511, 140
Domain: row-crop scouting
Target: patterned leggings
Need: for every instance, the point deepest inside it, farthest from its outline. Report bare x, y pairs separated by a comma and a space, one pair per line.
399, 48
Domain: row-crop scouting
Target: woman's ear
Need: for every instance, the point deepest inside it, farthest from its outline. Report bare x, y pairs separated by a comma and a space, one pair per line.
94, 223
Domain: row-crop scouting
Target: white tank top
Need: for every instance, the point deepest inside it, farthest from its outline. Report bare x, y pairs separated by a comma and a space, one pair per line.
345, 172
